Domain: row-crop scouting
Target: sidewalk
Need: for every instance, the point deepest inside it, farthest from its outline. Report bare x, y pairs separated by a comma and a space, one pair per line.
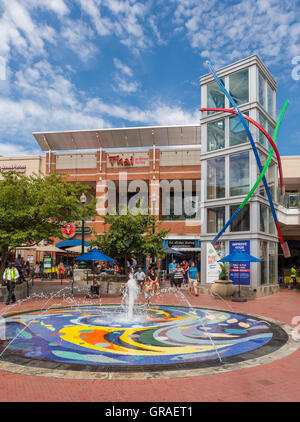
275, 381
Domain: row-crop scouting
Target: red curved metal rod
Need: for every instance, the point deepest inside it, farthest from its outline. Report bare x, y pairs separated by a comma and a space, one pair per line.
226, 110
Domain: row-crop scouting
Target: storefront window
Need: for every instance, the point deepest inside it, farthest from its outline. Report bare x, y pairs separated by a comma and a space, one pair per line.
271, 179
261, 90
270, 100
261, 137
216, 135
237, 132
239, 174
263, 218
272, 227
263, 159
272, 262
215, 219
239, 87
215, 96
263, 246
242, 221
216, 178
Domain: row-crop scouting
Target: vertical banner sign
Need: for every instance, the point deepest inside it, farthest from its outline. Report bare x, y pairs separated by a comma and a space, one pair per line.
213, 268
240, 267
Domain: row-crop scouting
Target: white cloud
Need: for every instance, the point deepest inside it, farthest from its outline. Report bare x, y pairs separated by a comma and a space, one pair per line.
122, 67
229, 31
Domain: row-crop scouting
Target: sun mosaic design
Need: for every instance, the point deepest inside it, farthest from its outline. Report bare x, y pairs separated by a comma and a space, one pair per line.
160, 335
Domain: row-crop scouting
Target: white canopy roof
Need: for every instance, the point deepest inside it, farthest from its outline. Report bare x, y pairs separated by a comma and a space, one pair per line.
119, 138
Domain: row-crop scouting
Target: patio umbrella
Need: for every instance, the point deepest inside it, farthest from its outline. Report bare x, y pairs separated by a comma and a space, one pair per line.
239, 256
76, 249
173, 251
94, 255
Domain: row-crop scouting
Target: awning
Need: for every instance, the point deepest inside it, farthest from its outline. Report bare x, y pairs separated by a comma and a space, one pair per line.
71, 242
119, 138
188, 249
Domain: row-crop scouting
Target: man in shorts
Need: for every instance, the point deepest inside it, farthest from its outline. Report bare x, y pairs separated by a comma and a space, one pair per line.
140, 278
193, 278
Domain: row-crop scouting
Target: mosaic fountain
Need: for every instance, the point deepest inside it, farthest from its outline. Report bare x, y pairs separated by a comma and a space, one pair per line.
133, 338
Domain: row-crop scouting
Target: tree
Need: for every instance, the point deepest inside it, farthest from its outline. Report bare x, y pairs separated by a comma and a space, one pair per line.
33, 208
130, 236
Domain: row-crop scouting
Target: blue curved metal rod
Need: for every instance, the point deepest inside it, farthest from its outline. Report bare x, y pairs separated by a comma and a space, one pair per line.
250, 138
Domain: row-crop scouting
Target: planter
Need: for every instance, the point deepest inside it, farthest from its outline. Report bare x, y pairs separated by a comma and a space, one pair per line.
223, 288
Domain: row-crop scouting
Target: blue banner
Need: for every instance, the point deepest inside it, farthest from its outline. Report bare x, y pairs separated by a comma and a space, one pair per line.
239, 269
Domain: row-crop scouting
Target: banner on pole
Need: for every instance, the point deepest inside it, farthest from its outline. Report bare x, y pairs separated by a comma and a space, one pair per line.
213, 255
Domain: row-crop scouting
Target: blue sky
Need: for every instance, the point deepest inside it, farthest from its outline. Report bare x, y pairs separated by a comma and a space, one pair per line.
87, 64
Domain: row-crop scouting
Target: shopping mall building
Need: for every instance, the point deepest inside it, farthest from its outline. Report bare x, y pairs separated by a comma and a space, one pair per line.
193, 176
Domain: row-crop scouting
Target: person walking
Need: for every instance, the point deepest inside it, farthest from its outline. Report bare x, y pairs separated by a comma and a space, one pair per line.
178, 276
193, 278
172, 267
10, 276
294, 277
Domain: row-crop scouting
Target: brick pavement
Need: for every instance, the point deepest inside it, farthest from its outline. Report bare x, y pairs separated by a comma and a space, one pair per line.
272, 382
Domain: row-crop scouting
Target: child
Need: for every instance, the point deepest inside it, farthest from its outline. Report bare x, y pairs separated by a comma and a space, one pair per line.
95, 287
147, 290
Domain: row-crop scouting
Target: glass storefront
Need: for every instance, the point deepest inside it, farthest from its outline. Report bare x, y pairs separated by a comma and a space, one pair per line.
261, 90
215, 96
272, 262
242, 221
263, 218
239, 86
239, 174
215, 219
237, 132
216, 135
216, 178
263, 247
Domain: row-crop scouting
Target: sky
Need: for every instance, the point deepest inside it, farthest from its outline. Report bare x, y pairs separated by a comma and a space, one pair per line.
92, 64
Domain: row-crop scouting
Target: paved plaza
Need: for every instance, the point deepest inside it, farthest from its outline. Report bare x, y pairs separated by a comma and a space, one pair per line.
269, 380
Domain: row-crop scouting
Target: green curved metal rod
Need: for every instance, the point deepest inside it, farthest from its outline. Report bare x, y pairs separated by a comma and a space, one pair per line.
268, 159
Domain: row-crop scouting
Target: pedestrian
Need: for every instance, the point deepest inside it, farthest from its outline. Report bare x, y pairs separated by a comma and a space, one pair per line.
185, 267
172, 267
37, 270
11, 275
147, 290
95, 287
61, 271
140, 278
193, 279
152, 277
294, 277
178, 276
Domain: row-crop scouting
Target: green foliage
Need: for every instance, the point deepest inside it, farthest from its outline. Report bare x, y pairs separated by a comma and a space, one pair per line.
35, 207
131, 236
224, 273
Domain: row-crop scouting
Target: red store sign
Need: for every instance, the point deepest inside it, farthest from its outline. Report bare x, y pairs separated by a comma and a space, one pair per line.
120, 161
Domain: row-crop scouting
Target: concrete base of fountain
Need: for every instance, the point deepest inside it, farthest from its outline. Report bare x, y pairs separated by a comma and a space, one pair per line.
20, 292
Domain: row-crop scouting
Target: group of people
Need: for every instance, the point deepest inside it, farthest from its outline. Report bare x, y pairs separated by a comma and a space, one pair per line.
147, 283
184, 274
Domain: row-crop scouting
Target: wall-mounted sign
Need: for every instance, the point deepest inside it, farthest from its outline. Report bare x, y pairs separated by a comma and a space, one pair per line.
20, 168
214, 254
70, 230
181, 243
116, 159
135, 159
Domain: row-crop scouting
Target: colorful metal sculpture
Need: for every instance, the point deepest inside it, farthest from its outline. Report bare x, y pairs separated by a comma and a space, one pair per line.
262, 170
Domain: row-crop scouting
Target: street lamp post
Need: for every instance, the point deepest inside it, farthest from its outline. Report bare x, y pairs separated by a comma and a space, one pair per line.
153, 198
83, 201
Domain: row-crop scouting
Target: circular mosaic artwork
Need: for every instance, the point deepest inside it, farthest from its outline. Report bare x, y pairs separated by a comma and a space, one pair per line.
160, 337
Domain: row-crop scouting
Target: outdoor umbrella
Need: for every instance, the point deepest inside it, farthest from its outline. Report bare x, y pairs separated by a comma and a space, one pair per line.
94, 255
173, 251
239, 256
